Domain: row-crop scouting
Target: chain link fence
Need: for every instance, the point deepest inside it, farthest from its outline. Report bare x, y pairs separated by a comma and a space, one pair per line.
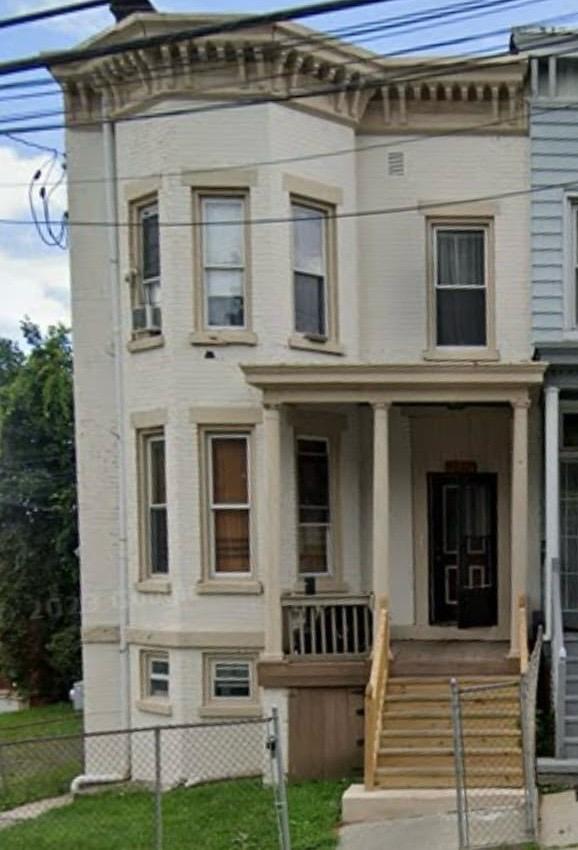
494, 732
212, 785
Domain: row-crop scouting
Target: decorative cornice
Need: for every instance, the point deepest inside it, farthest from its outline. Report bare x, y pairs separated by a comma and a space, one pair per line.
289, 61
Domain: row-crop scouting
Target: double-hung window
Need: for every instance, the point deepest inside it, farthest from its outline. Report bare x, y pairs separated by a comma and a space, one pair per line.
156, 675
573, 264
314, 505
224, 261
229, 503
146, 248
460, 281
311, 297
231, 679
155, 504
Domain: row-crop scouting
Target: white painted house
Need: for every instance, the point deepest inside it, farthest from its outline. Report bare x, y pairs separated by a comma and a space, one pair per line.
304, 377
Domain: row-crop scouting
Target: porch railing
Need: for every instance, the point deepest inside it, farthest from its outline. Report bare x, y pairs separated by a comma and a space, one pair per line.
323, 625
375, 692
558, 665
523, 632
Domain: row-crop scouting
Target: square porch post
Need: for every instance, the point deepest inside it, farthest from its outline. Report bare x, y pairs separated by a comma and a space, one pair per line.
380, 534
518, 514
272, 533
552, 472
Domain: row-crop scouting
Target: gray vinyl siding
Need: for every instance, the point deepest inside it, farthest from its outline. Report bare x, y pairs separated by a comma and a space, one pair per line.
554, 160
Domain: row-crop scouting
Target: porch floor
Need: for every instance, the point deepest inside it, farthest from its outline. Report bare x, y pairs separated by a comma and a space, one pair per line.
452, 658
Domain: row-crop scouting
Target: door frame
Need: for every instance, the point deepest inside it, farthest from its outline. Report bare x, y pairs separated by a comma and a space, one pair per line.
461, 478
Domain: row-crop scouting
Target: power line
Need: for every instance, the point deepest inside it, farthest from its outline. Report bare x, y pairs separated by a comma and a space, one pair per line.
228, 25
354, 214
57, 11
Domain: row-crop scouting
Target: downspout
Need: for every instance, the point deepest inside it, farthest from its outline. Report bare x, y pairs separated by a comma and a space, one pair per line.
110, 178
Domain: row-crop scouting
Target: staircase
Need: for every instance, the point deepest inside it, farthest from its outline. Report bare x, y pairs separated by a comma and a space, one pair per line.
570, 725
416, 742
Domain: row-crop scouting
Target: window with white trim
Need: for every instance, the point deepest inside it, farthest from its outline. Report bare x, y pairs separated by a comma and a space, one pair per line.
230, 680
229, 503
146, 314
311, 295
154, 507
573, 263
156, 675
314, 506
460, 281
223, 260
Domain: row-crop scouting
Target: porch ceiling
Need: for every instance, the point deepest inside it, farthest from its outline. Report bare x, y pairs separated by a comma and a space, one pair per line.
396, 383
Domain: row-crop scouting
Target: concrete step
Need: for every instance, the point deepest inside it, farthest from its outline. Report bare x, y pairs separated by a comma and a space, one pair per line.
419, 738
496, 758
444, 777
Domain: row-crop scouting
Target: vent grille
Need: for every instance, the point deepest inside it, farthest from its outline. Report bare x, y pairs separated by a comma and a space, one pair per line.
396, 164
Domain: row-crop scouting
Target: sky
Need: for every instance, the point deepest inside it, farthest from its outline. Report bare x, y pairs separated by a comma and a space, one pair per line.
34, 278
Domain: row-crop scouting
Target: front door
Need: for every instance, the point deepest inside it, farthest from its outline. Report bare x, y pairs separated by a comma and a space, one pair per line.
463, 546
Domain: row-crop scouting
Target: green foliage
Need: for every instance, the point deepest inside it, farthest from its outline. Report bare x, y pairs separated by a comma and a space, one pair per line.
39, 582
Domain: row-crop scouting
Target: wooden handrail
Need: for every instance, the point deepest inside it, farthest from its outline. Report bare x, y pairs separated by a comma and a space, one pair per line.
523, 633
375, 691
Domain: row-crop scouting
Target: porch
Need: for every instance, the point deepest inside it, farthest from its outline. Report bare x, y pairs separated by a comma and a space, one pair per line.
427, 505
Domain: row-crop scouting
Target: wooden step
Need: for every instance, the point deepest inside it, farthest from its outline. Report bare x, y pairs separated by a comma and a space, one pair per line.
509, 699
496, 758
441, 684
418, 738
444, 777
435, 720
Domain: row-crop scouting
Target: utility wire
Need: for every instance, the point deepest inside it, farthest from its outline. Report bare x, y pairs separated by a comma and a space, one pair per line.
56, 11
354, 214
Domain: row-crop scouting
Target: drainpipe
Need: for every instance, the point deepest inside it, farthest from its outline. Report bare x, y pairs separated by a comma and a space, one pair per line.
110, 177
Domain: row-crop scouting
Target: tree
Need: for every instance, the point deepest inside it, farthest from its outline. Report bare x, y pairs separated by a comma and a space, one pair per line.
39, 574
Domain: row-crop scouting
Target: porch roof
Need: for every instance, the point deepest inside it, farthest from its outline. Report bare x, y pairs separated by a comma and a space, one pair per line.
396, 383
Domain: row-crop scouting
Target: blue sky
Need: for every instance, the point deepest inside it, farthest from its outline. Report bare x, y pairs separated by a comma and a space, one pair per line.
34, 278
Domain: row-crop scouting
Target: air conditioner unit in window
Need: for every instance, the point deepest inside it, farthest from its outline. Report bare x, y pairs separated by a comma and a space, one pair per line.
146, 319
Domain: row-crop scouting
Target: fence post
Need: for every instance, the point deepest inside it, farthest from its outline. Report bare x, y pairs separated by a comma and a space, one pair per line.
279, 773
158, 791
459, 764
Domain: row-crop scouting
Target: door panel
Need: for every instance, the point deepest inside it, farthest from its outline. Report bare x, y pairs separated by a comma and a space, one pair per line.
463, 575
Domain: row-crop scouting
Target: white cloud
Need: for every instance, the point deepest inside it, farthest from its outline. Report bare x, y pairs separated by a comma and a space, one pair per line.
16, 171
36, 286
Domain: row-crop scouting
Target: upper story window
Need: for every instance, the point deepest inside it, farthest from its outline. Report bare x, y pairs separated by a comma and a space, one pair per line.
573, 265
314, 505
154, 504
146, 314
313, 283
460, 284
223, 261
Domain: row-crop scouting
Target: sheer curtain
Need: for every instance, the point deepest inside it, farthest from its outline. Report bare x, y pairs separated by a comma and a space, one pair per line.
460, 287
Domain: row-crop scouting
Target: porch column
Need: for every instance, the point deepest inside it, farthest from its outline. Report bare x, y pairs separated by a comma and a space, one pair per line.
518, 513
380, 538
272, 533
552, 472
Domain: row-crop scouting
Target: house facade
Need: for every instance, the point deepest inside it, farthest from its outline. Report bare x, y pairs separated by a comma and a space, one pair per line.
553, 120
304, 375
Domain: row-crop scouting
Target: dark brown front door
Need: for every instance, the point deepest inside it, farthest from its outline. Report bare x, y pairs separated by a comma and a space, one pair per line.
463, 546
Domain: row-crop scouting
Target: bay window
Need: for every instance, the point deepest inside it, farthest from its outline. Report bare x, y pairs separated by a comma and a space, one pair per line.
223, 260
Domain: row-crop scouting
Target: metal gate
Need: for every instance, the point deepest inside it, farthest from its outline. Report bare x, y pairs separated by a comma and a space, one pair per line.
494, 757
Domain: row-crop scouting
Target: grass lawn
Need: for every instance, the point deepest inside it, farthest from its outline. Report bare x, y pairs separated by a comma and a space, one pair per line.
222, 816
37, 769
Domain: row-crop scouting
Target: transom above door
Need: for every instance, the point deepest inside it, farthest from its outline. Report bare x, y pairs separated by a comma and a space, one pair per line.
463, 579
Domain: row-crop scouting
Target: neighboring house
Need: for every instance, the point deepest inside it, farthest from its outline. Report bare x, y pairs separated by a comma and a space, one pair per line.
284, 418
553, 84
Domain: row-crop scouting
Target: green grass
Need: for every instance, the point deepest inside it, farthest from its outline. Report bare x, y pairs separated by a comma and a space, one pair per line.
58, 719
235, 815
41, 768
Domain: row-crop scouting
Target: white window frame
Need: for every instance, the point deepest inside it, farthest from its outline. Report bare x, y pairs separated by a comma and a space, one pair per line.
211, 663
329, 572
325, 212
241, 197
571, 264
483, 226
148, 676
212, 507
148, 438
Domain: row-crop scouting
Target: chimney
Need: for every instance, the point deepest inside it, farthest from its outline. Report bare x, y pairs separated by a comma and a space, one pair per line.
121, 9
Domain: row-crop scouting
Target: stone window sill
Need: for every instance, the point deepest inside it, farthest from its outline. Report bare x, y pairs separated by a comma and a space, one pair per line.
145, 342
223, 337
330, 346
152, 706
154, 585
244, 587
467, 355
230, 711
